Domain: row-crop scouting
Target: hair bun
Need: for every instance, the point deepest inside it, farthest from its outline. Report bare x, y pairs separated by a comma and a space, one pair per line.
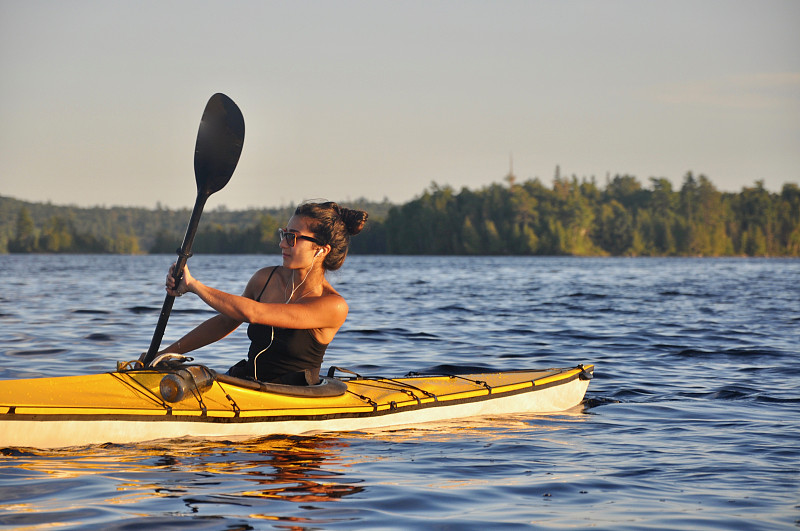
354, 220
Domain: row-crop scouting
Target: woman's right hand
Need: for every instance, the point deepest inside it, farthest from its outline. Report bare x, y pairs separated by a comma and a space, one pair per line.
182, 287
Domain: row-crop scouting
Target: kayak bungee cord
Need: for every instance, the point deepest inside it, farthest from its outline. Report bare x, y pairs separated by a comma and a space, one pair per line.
366, 399
139, 388
403, 387
236, 409
470, 380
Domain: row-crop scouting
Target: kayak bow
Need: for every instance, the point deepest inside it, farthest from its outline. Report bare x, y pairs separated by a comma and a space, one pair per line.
141, 405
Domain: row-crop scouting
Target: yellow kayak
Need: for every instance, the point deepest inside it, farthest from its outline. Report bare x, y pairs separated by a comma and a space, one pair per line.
130, 406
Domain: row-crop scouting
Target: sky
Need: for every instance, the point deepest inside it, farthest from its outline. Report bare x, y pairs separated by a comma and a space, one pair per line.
100, 101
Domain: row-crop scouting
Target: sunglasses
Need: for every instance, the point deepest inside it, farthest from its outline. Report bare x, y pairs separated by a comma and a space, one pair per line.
292, 237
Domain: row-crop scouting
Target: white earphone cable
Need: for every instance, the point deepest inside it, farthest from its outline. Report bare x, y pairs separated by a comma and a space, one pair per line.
272, 333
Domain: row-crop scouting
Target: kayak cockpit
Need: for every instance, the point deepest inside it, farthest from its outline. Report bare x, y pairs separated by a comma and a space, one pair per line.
194, 380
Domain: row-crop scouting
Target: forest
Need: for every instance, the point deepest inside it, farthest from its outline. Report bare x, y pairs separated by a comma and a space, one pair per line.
570, 217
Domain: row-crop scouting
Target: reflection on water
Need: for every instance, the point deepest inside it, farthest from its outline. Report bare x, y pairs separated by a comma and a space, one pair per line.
490, 428
277, 479
299, 470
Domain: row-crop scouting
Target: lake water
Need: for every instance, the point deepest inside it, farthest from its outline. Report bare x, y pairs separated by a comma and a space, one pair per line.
691, 421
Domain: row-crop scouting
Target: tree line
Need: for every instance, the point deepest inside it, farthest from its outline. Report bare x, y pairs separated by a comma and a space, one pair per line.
571, 217
580, 218
27, 227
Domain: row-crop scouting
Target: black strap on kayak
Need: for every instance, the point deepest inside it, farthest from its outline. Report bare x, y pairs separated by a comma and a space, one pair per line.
470, 380
407, 389
332, 370
236, 409
375, 381
395, 385
366, 399
198, 395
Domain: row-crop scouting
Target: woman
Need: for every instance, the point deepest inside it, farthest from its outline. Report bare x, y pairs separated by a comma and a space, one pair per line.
292, 309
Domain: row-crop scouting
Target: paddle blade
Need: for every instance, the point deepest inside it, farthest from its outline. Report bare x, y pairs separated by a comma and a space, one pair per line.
219, 144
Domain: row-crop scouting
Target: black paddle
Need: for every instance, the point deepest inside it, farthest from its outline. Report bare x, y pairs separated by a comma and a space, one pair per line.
219, 144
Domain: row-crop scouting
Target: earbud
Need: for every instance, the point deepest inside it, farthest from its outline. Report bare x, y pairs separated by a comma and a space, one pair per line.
318, 253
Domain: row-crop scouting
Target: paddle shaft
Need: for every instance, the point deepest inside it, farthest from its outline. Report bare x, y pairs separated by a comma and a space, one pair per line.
177, 273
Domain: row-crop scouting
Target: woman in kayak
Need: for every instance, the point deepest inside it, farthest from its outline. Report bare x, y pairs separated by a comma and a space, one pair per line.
292, 310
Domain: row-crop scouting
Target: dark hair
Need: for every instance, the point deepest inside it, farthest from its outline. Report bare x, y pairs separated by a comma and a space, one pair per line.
333, 225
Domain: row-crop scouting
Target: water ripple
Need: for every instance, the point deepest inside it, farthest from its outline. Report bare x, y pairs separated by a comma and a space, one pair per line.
689, 423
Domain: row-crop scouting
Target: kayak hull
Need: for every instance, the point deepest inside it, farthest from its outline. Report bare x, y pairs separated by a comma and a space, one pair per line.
126, 407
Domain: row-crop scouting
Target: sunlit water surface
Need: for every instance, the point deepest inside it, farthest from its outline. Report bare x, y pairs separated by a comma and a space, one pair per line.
691, 421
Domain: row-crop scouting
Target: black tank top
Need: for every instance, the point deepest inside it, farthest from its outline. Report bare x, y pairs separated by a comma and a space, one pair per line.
275, 354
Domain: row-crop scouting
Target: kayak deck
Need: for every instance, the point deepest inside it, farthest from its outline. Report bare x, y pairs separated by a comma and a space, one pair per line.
123, 407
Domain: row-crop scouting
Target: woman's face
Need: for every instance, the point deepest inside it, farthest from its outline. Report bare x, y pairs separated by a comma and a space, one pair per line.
303, 253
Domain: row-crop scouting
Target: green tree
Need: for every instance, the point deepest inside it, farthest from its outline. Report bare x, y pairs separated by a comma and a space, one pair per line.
757, 217
663, 201
708, 236
615, 231
470, 238
25, 240
124, 242
57, 235
577, 217
494, 241
627, 191
789, 219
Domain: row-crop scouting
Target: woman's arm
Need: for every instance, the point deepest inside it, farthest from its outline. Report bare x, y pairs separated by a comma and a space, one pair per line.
203, 334
327, 311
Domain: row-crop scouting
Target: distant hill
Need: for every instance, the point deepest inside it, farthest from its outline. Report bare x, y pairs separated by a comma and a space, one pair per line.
571, 217
148, 226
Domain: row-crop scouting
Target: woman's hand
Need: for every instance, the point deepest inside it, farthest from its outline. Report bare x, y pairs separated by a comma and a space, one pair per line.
185, 284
